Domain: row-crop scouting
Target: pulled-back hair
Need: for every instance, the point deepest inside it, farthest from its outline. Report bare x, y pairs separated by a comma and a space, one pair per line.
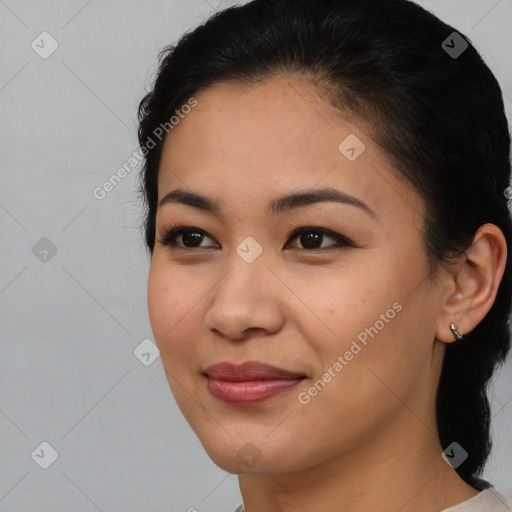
438, 117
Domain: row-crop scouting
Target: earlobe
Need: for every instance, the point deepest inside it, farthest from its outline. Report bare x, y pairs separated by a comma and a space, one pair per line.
474, 284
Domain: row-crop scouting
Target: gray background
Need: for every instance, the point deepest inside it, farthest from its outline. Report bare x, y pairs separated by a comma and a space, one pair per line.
70, 321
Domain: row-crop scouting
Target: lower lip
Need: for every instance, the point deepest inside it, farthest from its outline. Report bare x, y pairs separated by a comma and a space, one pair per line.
249, 391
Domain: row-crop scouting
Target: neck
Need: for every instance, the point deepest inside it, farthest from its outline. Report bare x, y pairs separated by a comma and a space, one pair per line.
393, 469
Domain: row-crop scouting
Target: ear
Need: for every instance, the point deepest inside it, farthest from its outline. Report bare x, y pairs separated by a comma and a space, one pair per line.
473, 284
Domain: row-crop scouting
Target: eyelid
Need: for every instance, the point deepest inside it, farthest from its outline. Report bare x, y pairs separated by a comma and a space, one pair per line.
169, 237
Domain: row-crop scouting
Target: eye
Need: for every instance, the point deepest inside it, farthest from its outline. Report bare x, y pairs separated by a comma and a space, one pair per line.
189, 234
309, 237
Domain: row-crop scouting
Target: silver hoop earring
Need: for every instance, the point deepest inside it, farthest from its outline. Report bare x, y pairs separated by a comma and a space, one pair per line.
455, 332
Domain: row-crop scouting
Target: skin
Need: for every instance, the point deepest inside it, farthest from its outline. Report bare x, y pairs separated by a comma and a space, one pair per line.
367, 440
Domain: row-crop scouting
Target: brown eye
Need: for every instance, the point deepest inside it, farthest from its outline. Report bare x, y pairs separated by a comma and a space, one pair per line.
191, 237
311, 238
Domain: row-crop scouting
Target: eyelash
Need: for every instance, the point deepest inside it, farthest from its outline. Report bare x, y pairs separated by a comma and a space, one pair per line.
169, 238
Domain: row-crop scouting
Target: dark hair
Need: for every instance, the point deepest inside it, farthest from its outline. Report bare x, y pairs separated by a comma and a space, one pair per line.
438, 117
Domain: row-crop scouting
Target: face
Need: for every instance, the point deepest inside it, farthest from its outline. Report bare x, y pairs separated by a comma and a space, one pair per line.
336, 292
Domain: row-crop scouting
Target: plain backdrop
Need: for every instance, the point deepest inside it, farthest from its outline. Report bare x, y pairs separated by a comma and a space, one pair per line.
73, 268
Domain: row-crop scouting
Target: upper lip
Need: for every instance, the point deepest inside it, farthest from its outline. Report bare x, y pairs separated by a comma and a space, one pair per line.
251, 370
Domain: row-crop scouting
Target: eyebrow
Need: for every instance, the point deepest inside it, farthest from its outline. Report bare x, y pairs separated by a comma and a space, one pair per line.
276, 206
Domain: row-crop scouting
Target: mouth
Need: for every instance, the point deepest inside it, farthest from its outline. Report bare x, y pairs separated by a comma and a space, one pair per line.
249, 383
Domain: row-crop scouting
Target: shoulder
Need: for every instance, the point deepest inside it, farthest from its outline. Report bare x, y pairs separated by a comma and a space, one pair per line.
488, 500
497, 500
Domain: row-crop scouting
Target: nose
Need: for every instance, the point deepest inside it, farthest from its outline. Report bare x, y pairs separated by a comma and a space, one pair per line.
247, 299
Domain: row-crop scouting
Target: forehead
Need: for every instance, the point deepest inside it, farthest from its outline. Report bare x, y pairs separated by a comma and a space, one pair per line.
250, 142
274, 115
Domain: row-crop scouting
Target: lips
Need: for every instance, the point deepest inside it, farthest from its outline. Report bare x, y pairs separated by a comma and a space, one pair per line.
249, 383
251, 370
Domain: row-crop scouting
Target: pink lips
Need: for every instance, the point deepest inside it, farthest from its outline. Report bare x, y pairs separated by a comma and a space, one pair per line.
249, 383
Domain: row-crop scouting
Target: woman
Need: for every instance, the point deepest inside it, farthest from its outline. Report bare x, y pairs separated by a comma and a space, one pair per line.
328, 228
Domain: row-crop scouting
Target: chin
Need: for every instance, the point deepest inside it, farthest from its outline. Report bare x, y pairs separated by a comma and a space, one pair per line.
240, 454
246, 460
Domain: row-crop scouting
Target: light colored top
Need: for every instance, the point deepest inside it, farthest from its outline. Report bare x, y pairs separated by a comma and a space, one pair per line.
488, 500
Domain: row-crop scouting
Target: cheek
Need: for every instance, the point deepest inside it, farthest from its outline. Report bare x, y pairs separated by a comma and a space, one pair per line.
171, 306
355, 301
369, 316
158, 301
171, 309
